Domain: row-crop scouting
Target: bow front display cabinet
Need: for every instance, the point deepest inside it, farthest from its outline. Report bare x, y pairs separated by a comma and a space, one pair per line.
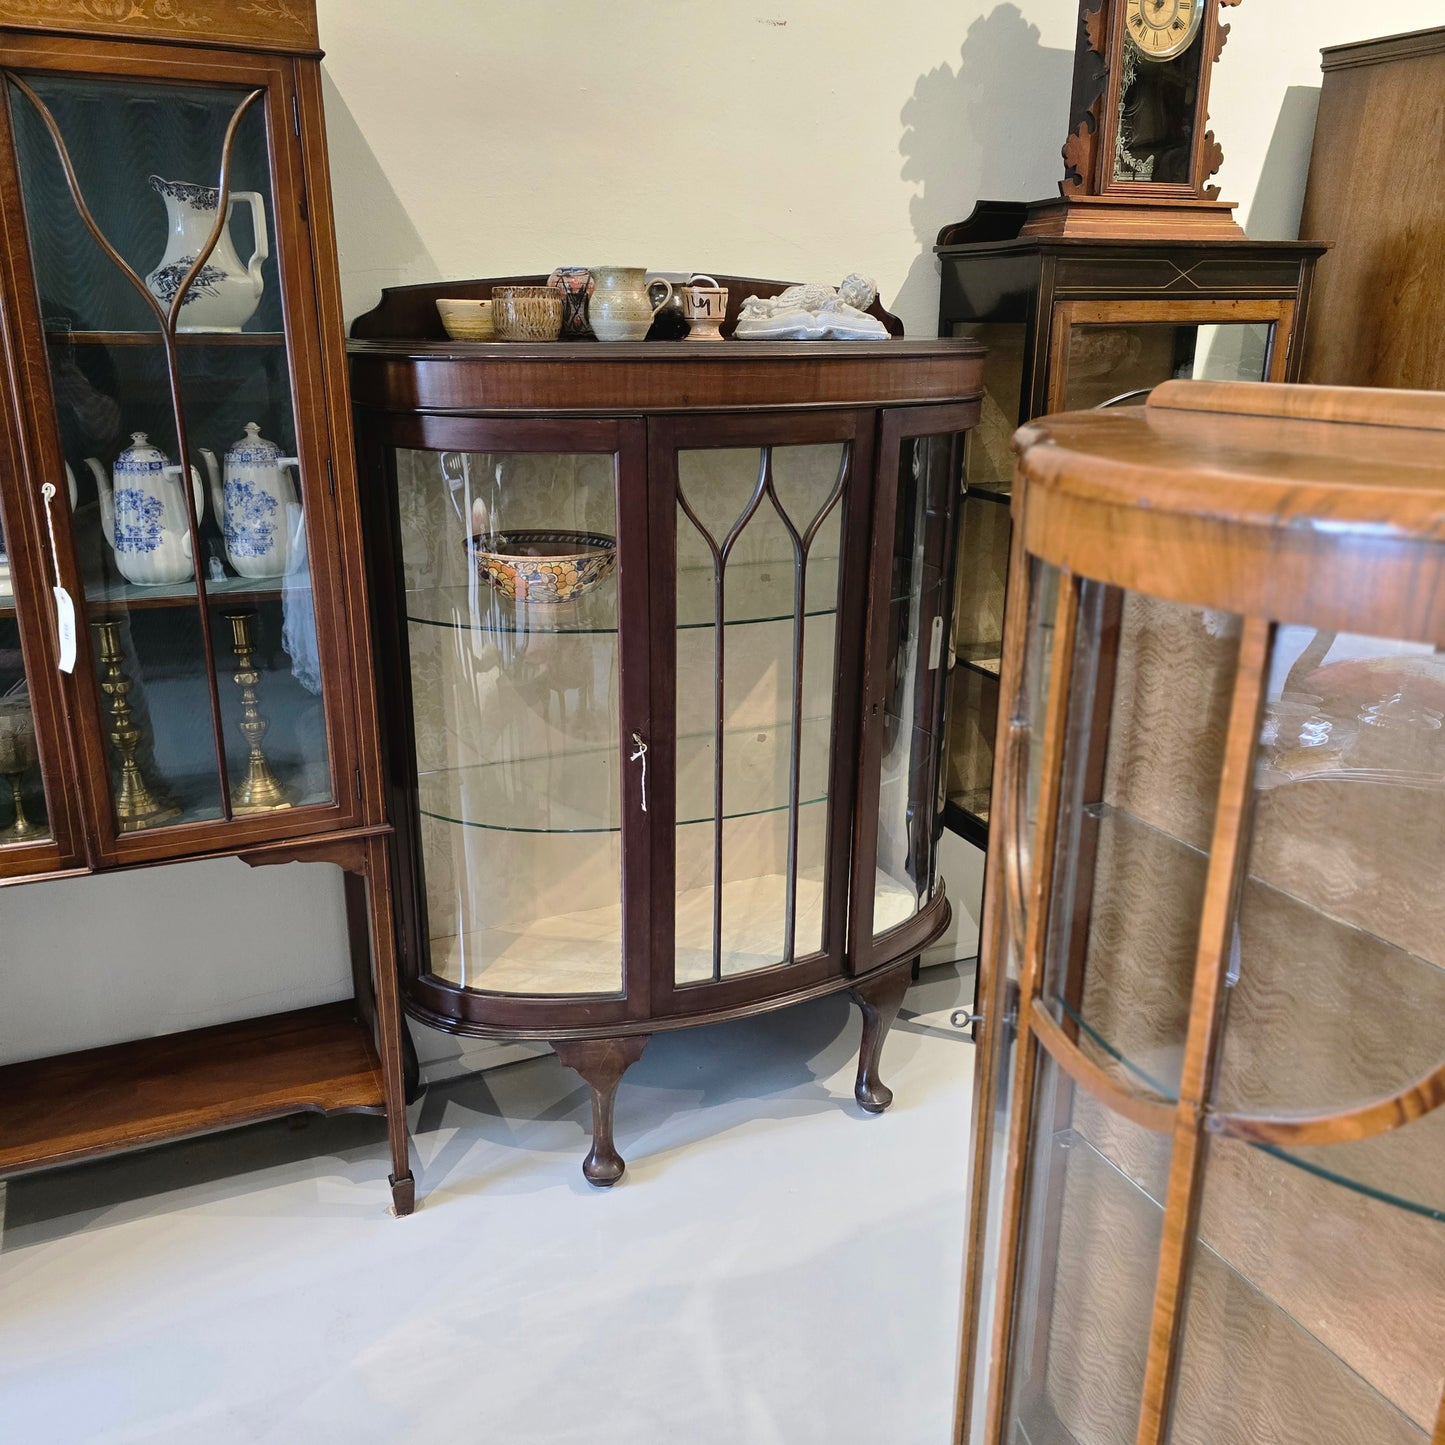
1208, 1203
176, 468
688, 769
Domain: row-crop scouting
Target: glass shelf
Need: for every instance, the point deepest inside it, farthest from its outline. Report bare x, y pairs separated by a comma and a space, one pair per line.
1138, 1036
1244, 1318
153, 338
991, 491
126, 596
755, 592
985, 658
579, 791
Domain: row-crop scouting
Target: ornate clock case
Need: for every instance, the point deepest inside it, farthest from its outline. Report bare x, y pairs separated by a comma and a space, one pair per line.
1139, 155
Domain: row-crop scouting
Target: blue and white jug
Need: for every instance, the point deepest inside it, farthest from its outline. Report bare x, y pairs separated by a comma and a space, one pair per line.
257, 505
143, 515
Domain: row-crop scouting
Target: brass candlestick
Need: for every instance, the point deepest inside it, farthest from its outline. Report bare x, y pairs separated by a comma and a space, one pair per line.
136, 807
17, 756
259, 791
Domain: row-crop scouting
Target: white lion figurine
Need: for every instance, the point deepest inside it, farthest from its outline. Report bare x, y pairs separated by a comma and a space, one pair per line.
813, 313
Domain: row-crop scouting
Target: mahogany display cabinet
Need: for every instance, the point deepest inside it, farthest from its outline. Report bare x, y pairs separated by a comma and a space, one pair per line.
1208, 1202
214, 695
1071, 323
705, 784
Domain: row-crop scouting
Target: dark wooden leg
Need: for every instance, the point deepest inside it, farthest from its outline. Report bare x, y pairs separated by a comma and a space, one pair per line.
602, 1063
390, 1028
880, 999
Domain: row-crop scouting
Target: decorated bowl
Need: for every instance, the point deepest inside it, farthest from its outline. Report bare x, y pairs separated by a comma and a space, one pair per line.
538, 566
466, 319
527, 313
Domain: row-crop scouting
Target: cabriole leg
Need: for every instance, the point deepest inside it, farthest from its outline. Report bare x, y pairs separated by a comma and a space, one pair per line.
880, 999
602, 1063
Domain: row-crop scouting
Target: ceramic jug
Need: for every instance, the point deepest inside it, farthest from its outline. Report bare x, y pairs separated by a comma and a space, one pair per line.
254, 505
620, 309
225, 293
144, 515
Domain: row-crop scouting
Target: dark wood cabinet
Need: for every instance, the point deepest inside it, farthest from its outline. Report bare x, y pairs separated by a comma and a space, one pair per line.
1377, 190
1209, 1152
176, 461
1071, 324
705, 785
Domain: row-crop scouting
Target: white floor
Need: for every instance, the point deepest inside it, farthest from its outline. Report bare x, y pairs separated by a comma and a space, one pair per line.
776, 1268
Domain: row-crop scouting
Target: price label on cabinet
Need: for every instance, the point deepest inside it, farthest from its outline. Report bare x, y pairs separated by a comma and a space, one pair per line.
65, 628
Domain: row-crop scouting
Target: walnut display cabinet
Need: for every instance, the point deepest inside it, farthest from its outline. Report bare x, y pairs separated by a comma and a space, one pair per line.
220, 699
707, 786
1071, 323
1208, 1204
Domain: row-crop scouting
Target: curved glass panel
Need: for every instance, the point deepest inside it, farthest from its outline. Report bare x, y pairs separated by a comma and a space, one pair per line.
1316, 1314
510, 569
176, 676
1338, 986
910, 818
1152, 685
759, 537
1092, 1229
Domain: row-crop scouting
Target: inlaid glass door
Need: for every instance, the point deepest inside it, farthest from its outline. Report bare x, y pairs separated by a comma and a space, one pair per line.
526, 639
161, 218
758, 764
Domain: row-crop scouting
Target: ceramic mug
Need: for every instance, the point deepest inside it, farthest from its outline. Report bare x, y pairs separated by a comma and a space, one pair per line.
705, 307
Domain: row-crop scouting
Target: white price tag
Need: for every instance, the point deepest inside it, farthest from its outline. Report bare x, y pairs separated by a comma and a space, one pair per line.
64, 607
65, 626
935, 645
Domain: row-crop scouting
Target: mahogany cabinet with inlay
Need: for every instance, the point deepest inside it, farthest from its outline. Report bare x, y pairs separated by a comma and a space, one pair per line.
168, 303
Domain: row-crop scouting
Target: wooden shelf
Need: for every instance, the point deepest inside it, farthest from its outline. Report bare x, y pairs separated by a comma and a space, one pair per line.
59, 1110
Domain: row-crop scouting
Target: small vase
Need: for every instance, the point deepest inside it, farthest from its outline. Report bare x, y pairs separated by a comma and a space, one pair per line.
574, 285
620, 309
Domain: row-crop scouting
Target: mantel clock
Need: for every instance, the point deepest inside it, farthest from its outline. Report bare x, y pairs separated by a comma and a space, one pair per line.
1139, 155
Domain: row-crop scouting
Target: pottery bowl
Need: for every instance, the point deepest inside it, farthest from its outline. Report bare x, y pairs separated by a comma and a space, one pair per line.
527, 313
539, 566
466, 319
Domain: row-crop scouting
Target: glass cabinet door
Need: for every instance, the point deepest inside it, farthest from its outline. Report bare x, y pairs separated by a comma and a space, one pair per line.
764, 535
519, 576
1103, 350
158, 235
30, 840
909, 665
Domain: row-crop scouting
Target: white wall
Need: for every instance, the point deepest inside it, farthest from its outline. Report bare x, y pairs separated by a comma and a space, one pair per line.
796, 138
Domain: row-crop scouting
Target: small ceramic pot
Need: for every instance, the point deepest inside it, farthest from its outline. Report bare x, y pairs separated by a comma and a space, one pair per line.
620, 309
526, 313
543, 566
575, 286
467, 319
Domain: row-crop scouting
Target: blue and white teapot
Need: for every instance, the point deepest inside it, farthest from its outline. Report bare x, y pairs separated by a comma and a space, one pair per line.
143, 515
257, 506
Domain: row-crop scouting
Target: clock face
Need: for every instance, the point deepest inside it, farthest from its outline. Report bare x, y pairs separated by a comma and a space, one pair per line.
1162, 29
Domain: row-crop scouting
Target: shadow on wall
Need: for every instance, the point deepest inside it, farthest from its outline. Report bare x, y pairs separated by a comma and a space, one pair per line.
990, 130
377, 242
1279, 195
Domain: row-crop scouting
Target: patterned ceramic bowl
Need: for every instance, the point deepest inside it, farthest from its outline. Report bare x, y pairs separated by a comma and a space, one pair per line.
527, 313
466, 319
543, 566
